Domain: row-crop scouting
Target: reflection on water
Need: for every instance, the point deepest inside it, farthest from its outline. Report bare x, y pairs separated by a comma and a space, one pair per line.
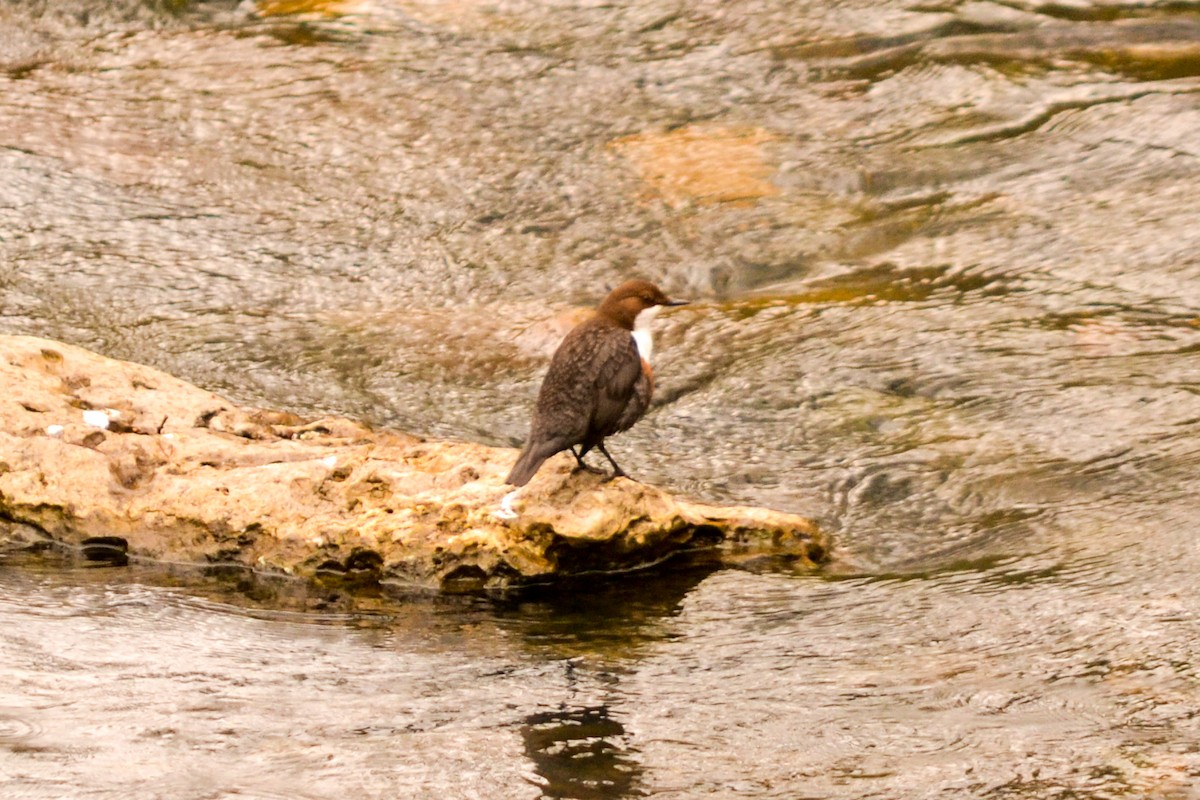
577, 753
948, 301
1027, 676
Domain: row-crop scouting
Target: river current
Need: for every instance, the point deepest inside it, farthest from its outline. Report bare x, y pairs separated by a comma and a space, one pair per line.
945, 268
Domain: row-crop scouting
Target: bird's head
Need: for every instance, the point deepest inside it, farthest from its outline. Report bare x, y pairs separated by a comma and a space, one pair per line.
631, 298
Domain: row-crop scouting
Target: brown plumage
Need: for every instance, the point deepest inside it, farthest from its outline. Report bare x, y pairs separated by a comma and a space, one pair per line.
597, 385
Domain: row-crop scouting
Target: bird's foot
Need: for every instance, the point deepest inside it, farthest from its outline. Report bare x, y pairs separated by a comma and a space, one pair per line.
582, 467
617, 471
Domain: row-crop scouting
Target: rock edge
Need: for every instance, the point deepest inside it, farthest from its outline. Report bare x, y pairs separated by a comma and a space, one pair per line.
93, 449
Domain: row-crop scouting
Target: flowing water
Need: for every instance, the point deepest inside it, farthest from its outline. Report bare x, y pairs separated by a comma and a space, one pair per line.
945, 260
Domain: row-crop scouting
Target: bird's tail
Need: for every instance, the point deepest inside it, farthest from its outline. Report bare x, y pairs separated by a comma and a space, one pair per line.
530, 462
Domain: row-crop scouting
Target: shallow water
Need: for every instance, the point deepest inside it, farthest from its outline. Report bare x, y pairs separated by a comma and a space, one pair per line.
947, 283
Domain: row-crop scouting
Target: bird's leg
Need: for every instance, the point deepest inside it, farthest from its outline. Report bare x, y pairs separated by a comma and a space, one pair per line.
580, 463
617, 471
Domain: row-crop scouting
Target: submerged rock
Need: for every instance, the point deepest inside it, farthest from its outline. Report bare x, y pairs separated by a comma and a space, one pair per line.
98, 450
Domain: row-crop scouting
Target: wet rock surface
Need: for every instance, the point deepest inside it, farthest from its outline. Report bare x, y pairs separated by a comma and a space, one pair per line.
124, 460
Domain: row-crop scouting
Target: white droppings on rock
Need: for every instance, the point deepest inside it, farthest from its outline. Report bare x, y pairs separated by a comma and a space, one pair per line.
329, 461
506, 511
54, 430
96, 419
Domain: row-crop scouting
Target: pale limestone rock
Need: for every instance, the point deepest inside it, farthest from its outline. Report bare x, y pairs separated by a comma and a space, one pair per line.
182, 474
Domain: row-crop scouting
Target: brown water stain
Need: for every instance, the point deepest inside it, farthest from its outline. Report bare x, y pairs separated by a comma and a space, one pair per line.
327, 8
1150, 49
702, 164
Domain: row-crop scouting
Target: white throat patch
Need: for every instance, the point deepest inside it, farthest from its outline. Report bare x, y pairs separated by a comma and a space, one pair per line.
641, 332
645, 344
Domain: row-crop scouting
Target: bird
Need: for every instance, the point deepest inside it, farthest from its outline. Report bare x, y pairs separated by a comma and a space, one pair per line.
599, 382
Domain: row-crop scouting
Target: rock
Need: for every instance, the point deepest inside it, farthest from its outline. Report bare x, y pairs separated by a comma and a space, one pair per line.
182, 474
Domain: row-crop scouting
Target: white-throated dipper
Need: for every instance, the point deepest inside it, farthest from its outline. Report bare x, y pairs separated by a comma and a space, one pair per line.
598, 383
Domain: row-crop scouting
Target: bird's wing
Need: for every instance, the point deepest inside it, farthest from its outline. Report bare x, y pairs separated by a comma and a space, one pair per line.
639, 400
617, 382
567, 400
587, 391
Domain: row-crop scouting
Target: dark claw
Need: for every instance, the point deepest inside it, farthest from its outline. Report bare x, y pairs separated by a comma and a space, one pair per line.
617, 471
583, 466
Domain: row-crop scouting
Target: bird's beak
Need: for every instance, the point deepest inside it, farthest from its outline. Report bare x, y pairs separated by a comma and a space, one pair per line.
676, 303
